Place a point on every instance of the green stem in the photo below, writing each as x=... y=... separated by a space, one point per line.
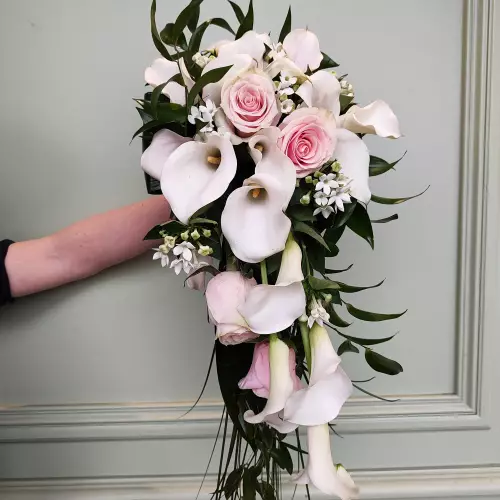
x=263 y=272
x=304 y=331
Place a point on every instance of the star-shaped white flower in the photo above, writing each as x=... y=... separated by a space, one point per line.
x=186 y=259
x=327 y=183
x=287 y=106
x=318 y=314
x=161 y=254
x=324 y=203
x=339 y=198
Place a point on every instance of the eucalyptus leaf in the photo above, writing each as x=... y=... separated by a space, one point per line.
x=354 y=289
x=386 y=219
x=287 y=26
x=304 y=228
x=238 y=12
x=197 y=36
x=395 y=201
x=210 y=77
x=382 y=364
x=247 y=23
x=370 y=316
x=379 y=166
x=156 y=36
x=347 y=346
x=319 y=284
x=360 y=224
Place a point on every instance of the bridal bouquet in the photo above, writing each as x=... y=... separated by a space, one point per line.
x=257 y=144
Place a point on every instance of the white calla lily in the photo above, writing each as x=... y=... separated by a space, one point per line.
x=270 y=160
x=162 y=71
x=285 y=65
x=280 y=387
x=164 y=143
x=251 y=43
x=354 y=158
x=196 y=174
x=376 y=118
x=253 y=221
x=320 y=471
x=321 y=90
x=302 y=46
x=329 y=386
x=291 y=264
x=238 y=62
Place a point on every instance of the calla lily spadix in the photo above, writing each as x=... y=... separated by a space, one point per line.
x=321 y=90
x=354 y=158
x=253 y=221
x=196 y=174
x=164 y=143
x=376 y=118
x=161 y=71
x=329 y=386
x=270 y=160
x=302 y=47
x=320 y=470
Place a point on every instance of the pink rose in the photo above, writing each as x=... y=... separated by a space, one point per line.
x=225 y=294
x=249 y=102
x=258 y=378
x=308 y=139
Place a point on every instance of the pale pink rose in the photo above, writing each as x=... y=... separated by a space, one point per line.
x=308 y=138
x=225 y=293
x=249 y=102
x=259 y=378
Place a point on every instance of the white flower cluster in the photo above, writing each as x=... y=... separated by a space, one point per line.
x=204 y=113
x=346 y=89
x=285 y=89
x=317 y=314
x=201 y=59
x=332 y=191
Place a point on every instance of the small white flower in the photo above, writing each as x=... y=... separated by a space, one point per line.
x=339 y=198
x=184 y=250
x=324 y=203
x=161 y=253
x=285 y=93
x=346 y=89
x=327 y=184
x=209 y=108
x=169 y=242
x=287 y=80
x=204 y=113
x=277 y=51
x=179 y=264
x=201 y=60
x=287 y=106
x=318 y=314
x=195 y=115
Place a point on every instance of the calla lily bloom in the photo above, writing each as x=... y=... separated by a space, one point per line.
x=161 y=71
x=302 y=47
x=329 y=386
x=320 y=471
x=196 y=174
x=164 y=143
x=376 y=118
x=291 y=264
x=253 y=221
x=322 y=90
x=251 y=43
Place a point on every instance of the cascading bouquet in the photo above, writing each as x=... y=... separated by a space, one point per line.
x=258 y=147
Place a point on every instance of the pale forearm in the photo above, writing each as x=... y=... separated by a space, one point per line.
x=84 y=248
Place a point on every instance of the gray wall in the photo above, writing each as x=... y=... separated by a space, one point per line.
x=94 y=376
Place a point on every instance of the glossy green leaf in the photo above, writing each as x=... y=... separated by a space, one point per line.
x=146 y=127
x=249 y=485
x=247 y=23
x=238 y=12
x=370 y=316
x=156 y=36
x=155 y=95
x=283 y=458
x=191 y=11
x=197 y=37
x=315 y=254
x=304 y=228
x=145 y=117
x=170 y=228
x=327 y=62
x=193 y=21
x=354 y=289
x=210 y=77
x=319 y=284
x=332 y=235
x=203 y=269
x=365 y=342
x=287 y=26
x=368 y=393
x=335 y=319
x=294 y=448
x=382 y=364
x=266 y=491
x=233 y=482
x=342 y=217
x=395 y=201
x=345 y=101
x=336 y=271
x=167 y=37
x=301 y=213
x=347 y=347
x=379 y=166
x=386 y=219
x=360 y=224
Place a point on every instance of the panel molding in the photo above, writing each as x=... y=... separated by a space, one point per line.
x=465 y=409
x=455 y=483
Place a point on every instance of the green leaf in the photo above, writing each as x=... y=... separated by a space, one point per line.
x=170 y=228
x=343 y=217
x=395 y=201
x=335 y=319
x=210 y=77
x=233 y=482
x=167 y=37
x=382 y=364
x=145 y=117
x=304 y=228
x=266 y=491
x=156 y=36
x=155 y=95
x=360 y=224
x=333 y=234
x=196 y=38
x=386 y=219
x=203 y=269
x=201 y=220
x=345 y=101
x=354 y=289
x=347 y=347
x=379 y=166
x=370 y=316
x=365 y=342
x=287 y=26
x=327 y=62
x=374 y=395
x=146 y=127
x=319 y=284
x=193 y=22
x=237 y=10
x=188 y=13
x=336 y=271
x=283 y=458
x=249 y=485
x=294 y=448
x=301 y=213
x=247 y=23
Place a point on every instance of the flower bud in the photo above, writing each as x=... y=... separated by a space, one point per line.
x=195 y=235
x=336 y=166
x=205 y=250
x=318 y=174
x=328 y=298
x=185 y=236
x=207 y=233
x=305 y=200
x=309 y=179
x=315 y=181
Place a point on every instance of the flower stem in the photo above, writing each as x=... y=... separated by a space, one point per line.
x=263 y=272
x=304 y=331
